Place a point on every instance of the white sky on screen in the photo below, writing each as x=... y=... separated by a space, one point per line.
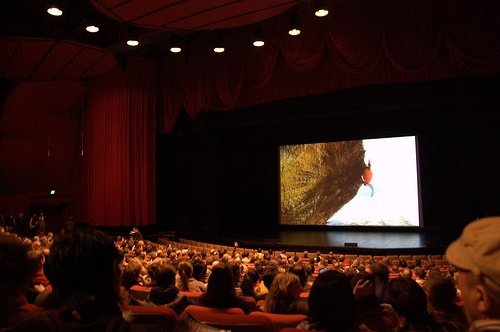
x=395 y=183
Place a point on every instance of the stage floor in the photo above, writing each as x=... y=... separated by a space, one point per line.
x=361 y=242
x=361 y=239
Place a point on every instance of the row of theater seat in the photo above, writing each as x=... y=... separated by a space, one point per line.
x=140 y=293
x=199 y=318
x=196 y=318
x=439 y=260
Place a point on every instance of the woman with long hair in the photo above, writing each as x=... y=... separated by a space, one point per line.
x=284 y=295
x=220 y=290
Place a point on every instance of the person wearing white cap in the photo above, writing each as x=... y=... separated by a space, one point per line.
x=476 y=253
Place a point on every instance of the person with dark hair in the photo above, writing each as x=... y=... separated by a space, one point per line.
x=421 y=276
x=200 y=271
x=164 y=292
x=235 y=268
x=14 y=280
x=83 y=270
x=300 y=271
x=442 y=295
x=220 y=290
x=332 y=306
x=377 y=316
x=250 y=283
x=381 y=279
x=410 y=302
x=270 y=271
x=247 y=287
x=253 y=275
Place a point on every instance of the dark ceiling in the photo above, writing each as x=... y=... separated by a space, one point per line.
x=35 y=46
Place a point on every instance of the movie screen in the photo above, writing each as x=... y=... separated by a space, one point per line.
x=369 y=182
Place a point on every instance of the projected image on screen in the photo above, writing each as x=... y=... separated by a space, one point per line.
x=371 y=182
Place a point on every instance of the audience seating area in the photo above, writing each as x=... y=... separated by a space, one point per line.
x=437 y=260
x=197 y=317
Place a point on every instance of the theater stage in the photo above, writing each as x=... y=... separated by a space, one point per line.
x=361 y=241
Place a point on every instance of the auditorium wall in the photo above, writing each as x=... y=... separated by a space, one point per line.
x=219 y=174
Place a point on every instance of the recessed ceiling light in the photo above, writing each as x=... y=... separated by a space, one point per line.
x=132 y=42
x=321 y=12
x=92 y=28
x=54 y=11
x=219 y=49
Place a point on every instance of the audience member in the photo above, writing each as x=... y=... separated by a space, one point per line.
x=284 y=296
x=442 y=296
x=476 y=253
x=84 y=272
x=268 y=275
x=254 y=281
x=381 y=279
x=378 y=317
x=332 y=306
x=235 y=269
x=39 y=281
x=421 y=275
x=186 y=281
x=248 y=287
x=200 y=271
x=220 y=290
x=407 y=273
x=14 y=280
x=410 y=302
x=132 y=274
x=299 y=271
x=164 y=292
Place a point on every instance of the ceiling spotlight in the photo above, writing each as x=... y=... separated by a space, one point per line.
x=132 y=42
x=54 y=11
x=219 y=42
x=258 y=40
x=294 y=25
x=321 y=12
x=92 y=28
x=175 y=44
x=321 y=9
x=132 y=36
x=175 y=49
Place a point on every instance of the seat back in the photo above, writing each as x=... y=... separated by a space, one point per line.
x=187 y=323
x=233 y=322
x=194 y=309
x=32 y=307
x=139 y=292
x=193 y=297
x=281 y=321
x=161 y=316
x=419 y=257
